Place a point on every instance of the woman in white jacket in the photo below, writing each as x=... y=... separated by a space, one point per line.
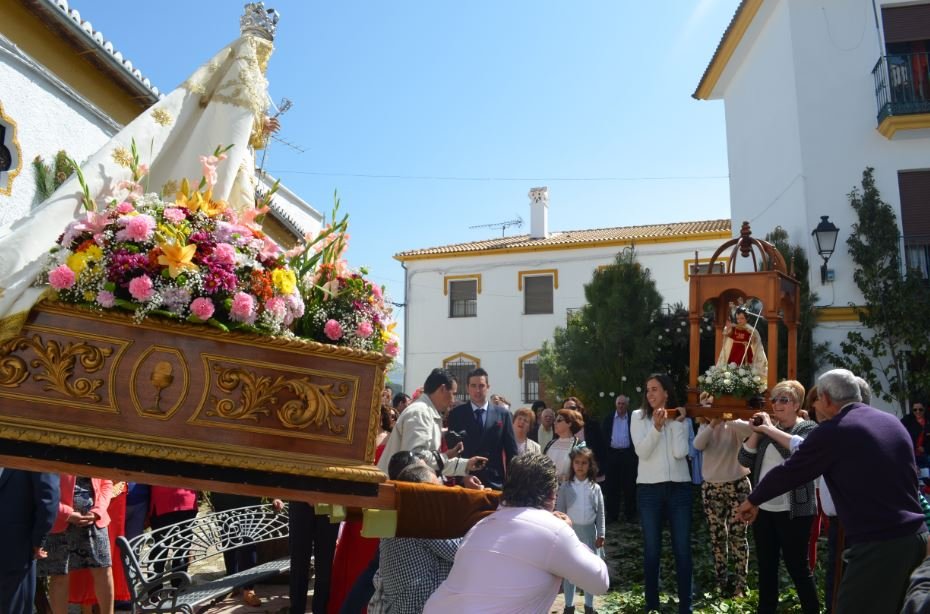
x=660 y=438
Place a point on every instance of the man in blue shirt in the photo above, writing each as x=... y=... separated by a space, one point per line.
x=619 y=463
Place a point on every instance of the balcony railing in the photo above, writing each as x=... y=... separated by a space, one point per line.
x=902 y=84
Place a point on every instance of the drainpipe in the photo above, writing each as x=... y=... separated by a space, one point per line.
x=406 y=318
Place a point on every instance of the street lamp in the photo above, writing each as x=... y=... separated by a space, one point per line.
x=825 y=236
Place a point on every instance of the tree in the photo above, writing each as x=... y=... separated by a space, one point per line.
x=809 y=353
x=893 y=354
x=608 y=345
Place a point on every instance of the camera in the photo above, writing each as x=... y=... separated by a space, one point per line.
x=454 y=437
x=757 y=420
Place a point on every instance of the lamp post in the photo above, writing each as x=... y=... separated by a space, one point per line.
x=825 y=235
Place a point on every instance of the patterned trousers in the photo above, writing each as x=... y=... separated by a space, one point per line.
x=727 y=534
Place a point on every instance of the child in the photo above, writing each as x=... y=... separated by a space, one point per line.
x=581 y=499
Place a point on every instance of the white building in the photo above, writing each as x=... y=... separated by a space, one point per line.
x=492 y=303
x=814 y=93
x=63 y=86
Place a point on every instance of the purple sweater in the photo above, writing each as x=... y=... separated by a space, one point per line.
x=867 y=460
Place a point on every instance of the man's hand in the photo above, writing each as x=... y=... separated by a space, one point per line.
x=715 y=423
x=599 y=542
x=564 y=517
x=471 y=481
x=81 y=520
x=747 y=512
x=39 y=553
x=454 y=452
x=475 y=463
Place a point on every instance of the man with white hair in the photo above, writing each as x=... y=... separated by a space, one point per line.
x=867 y=460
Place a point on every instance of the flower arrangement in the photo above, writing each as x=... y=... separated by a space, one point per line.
x=192 y=258
x=188 y=257
x=342 y=305
x=732 y=379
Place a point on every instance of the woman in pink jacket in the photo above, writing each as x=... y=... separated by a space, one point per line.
x=79 y=541
x=169 y=506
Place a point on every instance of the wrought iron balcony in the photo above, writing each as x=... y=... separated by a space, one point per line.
x=902 y=84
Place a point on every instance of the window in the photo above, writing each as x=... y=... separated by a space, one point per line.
x=914 y=190
x=463 y=298
x=459 y=366
x=537 y=288
x=529 y=375
x=10 y=154
x=702 y=266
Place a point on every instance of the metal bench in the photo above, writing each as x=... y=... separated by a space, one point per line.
x=153 y=561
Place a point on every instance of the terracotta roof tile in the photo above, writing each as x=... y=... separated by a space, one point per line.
x=577 y=238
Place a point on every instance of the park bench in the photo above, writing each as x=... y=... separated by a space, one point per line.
x=153 y=560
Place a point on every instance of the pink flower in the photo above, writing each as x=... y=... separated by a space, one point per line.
x=202 y=308
x=391 y=348
x=106 y=299
x=242 y=308
x=136 y=228
x=224 y=254
x=125 y=207
x=209 y=168
x=276 y=307
x=364 y=329
x=143 y=170
x=269 y=249
x=141 y=288
x=174 y=215
x=376 y=291
x=61 y=277
x=333 y=330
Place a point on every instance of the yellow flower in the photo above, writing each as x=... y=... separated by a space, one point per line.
x=177 y=257
x=89 y=296
x=198 y=201
x=94 y=253
x=388 y=333
x=284 y=280
x=77 y=262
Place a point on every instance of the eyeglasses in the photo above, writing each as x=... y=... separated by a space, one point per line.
x=782 y=401
x=918 y=408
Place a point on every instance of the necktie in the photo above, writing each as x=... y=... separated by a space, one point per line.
x=479 y=417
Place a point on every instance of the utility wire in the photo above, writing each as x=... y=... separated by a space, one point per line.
x=489 y=179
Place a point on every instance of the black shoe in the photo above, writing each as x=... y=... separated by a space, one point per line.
x=569 y=609
x=589 y=610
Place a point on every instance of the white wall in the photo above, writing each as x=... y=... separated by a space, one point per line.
x=501 y=333
x=47 y=120
x=801 y=128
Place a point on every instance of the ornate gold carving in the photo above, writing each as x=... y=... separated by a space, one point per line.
x=314 y=404
x=161 y=377
x=6 y=189
x=57 y=363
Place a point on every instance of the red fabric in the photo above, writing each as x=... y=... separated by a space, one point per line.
x=165 y=499
x=815 y=533
x=740 y=346
x=80 y=582
x=103 y=491
x=353 y=554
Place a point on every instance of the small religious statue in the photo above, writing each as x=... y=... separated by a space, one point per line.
x=742 y=346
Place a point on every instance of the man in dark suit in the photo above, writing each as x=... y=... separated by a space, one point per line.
x=620 y=463
x=488 y=430
x=30 y=506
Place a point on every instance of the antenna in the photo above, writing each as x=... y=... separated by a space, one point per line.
x=518 y=222
x=280 y=109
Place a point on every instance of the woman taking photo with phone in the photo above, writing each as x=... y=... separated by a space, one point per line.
x=660 y=437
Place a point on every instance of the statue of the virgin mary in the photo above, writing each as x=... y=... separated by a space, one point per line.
x=742 y=346
x=223 y=103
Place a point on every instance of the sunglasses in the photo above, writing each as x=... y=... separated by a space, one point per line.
x=918 y=409
x=782 y=401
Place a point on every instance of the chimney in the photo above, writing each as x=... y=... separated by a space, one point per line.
x=539 y=213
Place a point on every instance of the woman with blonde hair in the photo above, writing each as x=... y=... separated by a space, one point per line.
x=784 y=523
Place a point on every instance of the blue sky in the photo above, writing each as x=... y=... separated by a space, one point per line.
x=432 y=116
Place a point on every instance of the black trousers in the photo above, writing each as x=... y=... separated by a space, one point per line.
x=310 y=535
x=877 y=574
x=778 y=536
x=620 y=483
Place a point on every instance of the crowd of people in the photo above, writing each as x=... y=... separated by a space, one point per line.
x=563 y=476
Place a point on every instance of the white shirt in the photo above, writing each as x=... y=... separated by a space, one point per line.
x=770 y=460
x=558 y=452
x=420 y=426
x=662 y=454
x=513 y=562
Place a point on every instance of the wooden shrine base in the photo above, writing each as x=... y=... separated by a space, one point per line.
x=163 y=472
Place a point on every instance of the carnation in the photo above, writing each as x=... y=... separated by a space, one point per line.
x=333 y=329
x=106 y=299
x=174 y=215
x=136 y=228
x=61 y=277
x=202 y=308
x=364 y=329
x=242 y=308
x=141 y=288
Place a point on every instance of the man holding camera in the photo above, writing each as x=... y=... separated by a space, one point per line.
x=420 y=427
x=487 y=430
